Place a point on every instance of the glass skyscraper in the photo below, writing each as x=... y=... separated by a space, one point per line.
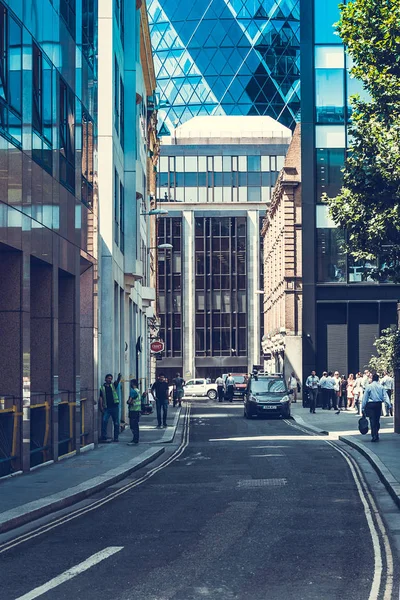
x=226 y=57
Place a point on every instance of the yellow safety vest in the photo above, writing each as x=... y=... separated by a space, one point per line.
x=114 y=391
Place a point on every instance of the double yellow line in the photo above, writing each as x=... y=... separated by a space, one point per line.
x=98 y=503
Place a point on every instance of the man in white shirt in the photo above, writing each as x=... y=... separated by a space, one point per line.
x=388 y=383
x=312 y=386
x=230 y=387
x=220 y=388
x=324 y=391
x=330 y=384
x=292 y=385
x=374 y=395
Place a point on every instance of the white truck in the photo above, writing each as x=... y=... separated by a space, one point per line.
x=200 y=387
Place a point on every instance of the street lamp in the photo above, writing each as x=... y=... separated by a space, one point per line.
x=260 y=292
x=161 y=247
x=155 y=211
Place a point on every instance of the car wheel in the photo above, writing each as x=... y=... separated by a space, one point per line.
x=212 y=394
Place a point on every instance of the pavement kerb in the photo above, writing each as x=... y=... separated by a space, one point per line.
x=169 y=433
x=387 y=478
x=313 y=429
x=26 y=513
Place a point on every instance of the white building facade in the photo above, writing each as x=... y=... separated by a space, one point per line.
x=126 y=85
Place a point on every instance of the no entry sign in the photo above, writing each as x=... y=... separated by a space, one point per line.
x=157 y=346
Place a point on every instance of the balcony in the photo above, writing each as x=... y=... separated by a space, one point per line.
x=148 y=296
x=133 y=274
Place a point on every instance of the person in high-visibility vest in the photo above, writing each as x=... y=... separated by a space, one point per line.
x=109 y=406
x=135 y=407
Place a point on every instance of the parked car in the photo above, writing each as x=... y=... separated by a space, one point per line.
x=267 y=395
x=240 y=384
x=200 y=387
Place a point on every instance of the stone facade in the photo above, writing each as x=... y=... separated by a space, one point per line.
x=283 y=268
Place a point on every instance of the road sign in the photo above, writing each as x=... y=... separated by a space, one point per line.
x=157 y=346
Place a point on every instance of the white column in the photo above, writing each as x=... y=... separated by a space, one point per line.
x=188 y=296
x=253 y=299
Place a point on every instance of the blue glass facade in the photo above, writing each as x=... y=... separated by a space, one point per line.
x=226 y=57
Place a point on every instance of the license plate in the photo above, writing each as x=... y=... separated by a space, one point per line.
x=270 y=407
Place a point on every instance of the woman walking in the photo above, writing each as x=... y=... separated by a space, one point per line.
x=357 y=392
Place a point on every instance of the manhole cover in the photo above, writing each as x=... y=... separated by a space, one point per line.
x=254 y=483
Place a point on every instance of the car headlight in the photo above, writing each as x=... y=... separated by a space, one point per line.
x=285 y=399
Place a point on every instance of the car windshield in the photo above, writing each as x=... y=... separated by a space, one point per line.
x=268 y=386
x=239 y=379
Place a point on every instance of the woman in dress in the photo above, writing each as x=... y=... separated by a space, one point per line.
x=357 y=392
x=350 y=394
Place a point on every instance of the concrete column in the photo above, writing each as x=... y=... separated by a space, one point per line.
x=189 y=295
x=88 y=379
x=253 y=299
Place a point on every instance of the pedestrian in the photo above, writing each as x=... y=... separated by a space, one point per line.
x=388 y=383
x=135 y=407
x=325 y=392
x=337 y=391
x=220 y=388
x=350 y=388
x=343 y=392
x=374 y=395
x=331 y=385
x=230 y=387
x=160 y=391
x=109 y=406
x=358 y=392
x=293 y=382
x=312 y=387
x=178 y=391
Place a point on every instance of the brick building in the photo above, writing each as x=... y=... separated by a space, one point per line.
x=281 y=233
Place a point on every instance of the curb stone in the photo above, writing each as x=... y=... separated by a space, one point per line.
x=313 y=429
x=24 y=514
x=387 y=478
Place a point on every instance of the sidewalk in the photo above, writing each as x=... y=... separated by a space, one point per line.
x=383 y=456
x=54 y=487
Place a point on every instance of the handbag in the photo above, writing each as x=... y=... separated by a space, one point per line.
x=363 y=425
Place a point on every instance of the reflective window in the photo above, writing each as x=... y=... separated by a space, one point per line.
x=361 y=271
x=265 y=166
x=88 y=30
x=329 y=171
x=41 y=108
x=68 y=12
x=67 y=135
x=326 y=13
x=190 y=164
x=330 y=136
x=254 y=163
x=226 y=163
x=218 y=163
x=242 y=163
x=331 y=258
x=88 y=160
x=329 y=57
x=10 y=77
x=254 y=194
x=329 y=84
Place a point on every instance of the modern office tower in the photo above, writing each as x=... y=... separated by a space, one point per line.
x=216 y=177
x=226 y=57
x=127 y=156
x=48 y=220
x=344 y=309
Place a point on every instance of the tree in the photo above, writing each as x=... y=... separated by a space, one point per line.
x=388 y=352
x=368 y=206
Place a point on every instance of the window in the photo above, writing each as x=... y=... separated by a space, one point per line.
x=41 y=108
x=329 y=82
x=329 y=171
x=116 y=95
x=87 y=159
x=88 y=29
x=254 y=163
x=116 y=207
x=326 y=14
x=122 y=114
x=10 y=77
x=67 y=135
x=331 y=258
x=68 y=13
x=254 y=194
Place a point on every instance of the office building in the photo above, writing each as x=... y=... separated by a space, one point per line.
x=128 y=151
x=216 y=177
x=344 y=309
x=48 y=223
x=281 y=231
x=226 y=57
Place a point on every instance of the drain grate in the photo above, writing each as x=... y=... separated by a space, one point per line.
x=256 y=483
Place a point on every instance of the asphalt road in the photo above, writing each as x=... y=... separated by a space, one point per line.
x=250 y=510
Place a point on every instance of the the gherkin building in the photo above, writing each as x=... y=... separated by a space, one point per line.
x=226 y=57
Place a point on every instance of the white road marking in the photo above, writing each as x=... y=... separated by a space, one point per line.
x=71 y=573
x=366 y=496
x=263 y=455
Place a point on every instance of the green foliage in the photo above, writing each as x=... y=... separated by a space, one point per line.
x=368 y=206
x=388 y=352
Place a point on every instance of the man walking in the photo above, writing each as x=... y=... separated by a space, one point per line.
x=109 y=406
x=324 y=391
x=374 y=395
x=135 y=407
x=388 y=383
x=177 y=390
x=160 y=391
x=312 y=386
x=220 y=388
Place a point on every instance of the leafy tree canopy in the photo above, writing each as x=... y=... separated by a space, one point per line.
x=368 y=206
